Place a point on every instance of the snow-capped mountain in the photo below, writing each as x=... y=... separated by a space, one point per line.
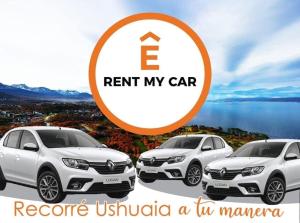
x=24 y=92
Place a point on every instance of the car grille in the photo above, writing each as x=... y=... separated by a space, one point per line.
x=231 y=191
x=157 y=176
x=155 y=163
x=103 y=188
x=102 y=168
x=229 y=174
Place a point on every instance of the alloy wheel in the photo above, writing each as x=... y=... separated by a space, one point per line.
x=194 y=175
x=49 y=187
x=275 y=191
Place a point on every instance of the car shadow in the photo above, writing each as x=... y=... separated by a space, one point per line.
x=177 y=187
x=26 y=193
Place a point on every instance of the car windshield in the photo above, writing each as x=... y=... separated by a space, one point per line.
x=181 y=143
x=260 y=149
x=67 y=138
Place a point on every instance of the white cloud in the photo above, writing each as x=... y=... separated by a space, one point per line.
x=226 y=25
x=282 y=47
x=49 y=43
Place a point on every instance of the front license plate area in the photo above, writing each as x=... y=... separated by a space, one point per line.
x=151 y=170
x=221 y=185
x=112 y=180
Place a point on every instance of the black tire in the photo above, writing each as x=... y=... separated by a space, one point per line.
x=193 y=175
x=2 y=181
x=216 y=197
x=49 y=187
x=274 y=191
x=147 y=180
x=118 y=194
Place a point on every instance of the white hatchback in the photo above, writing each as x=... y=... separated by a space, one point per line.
x=181 y=158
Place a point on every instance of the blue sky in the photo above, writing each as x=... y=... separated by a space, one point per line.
x=252 y=44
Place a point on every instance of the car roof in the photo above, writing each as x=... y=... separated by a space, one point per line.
x=34 y=128
x=277 y=140
x=196 y=135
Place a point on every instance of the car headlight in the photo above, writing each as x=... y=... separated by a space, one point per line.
x=76 y=163
x=176 y=159
x=252 y=170
x=129 y=163
x=206 y=170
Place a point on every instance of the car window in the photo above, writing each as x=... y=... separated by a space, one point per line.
x=260 y=149
x=293 y=148
x=13 y=139
x=219 y=144
x=27 y=137
x=67 y=138
x=181 y=143
x=5 y=140
x=208 y=142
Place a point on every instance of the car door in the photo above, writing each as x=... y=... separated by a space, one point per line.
x=221 y=149
x=8 y=155
x=26 y=160
x=291 y=167
x=207 y=156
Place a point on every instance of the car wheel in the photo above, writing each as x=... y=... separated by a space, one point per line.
x=274 y=191
x=49 y=188
x=147 y=180
x=118 y=194
x=216 y=197
x=193 y=175
x=2 y=180
x=2 y=184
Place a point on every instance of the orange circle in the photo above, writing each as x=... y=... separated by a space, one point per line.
x=109 y=114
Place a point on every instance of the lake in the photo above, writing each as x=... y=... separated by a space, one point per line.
x=276 y=119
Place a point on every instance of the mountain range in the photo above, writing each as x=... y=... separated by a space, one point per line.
x=23 y=92
x=231 y=93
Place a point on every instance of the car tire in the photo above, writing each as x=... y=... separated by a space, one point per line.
x=274 y=191
x=216 y=197
x=49 y=187
x=2 y=181
x=118 y=194
x=193 y=175
x=147 y=180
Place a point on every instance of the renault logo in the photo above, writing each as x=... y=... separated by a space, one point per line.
x=152 y=160
x=110 y=164
x=222 y=172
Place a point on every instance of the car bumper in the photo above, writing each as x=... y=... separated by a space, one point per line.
x=237 y=187
x=175 y=171
x=90 y=181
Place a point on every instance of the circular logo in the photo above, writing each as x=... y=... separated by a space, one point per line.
x=149 y=73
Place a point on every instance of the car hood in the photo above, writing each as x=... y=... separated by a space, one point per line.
x=165 y=153
x=239 y=162
x=91 y=154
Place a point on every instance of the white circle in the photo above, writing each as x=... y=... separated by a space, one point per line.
x=151 y=106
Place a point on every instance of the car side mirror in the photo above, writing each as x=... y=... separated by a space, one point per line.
x=156 y=147
x=291 y=156
x=206 y=148
x=105 y=146
x=30 y=147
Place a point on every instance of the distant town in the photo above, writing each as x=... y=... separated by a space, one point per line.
x=87 y=117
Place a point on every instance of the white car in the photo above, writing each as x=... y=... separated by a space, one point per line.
x=267 y=169
x=181 y=158
x=60 y=161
